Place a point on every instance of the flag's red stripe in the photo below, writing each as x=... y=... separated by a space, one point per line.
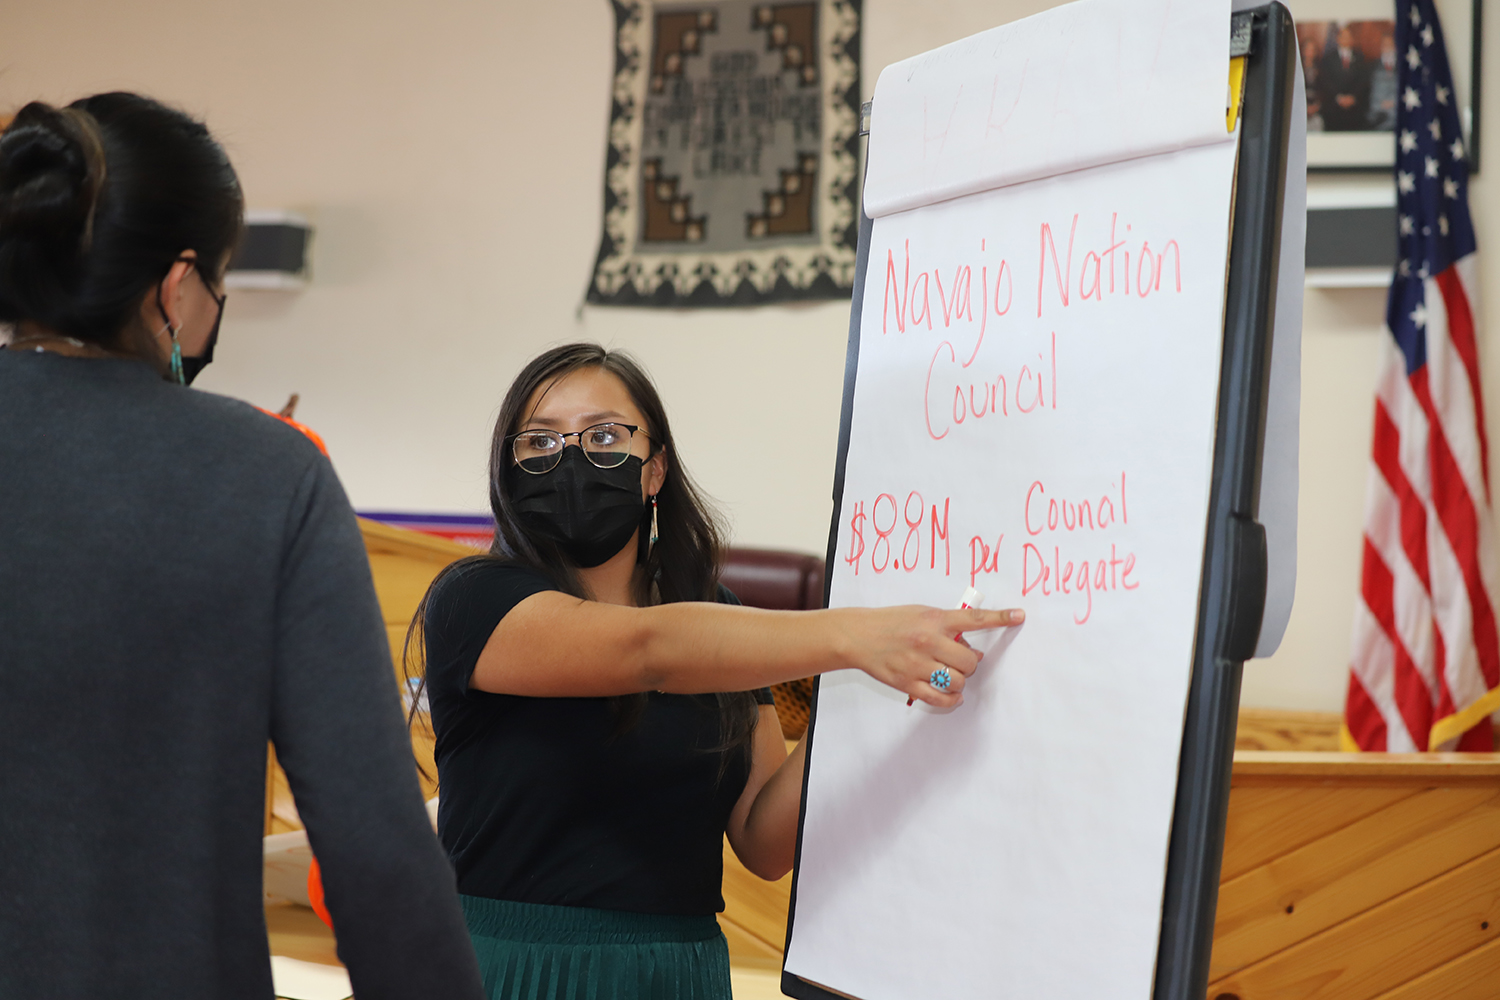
x=1364 y=720
x=1456 y=513
x=1445 y=706
x=1378 y=587
x=1387 y=455
x=1479 y=739
x=1461 y=334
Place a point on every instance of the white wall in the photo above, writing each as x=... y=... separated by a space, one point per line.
x=450 y=154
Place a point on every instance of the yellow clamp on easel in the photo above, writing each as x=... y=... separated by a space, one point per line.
x=1236 y=91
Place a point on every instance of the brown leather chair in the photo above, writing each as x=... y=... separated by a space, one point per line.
x=771 y=578
x=779 y=581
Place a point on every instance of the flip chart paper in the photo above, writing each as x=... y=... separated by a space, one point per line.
x=1034 y=414
x=1080 y=85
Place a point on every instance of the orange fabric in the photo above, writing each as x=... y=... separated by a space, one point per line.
x=315 y=893
x=312 y=435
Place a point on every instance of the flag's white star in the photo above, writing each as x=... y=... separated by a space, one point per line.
x=1427 y=35
x=1457 y=149
x=1407 y=227
x=1405 y=183
x=1413 y=58
x=1432 y=167
x=1436 y=128
x=1416 y=17
x=1450 y=188
x=1442 y=95
x=1443 y=224
x=1410 y=99
x=1419 y=315
x=1422 y=272
x=1408 y=140
x=1404 y=268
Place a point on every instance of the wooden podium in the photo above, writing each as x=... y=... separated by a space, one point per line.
x=1360 y=876
x=1345 y=876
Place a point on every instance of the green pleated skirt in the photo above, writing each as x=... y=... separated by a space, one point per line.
x=528 y=951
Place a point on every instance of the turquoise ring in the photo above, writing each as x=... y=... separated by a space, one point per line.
x=941 y=679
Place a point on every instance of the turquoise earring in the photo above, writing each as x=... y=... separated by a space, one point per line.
x=177 y=375
x=175 y=365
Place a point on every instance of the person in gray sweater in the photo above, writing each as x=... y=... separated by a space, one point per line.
x=181 y=580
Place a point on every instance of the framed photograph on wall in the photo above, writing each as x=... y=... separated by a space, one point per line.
x=1351 y=65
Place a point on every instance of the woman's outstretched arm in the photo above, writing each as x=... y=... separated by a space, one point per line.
x=552 y=645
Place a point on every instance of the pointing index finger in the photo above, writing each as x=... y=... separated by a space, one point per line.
x=978 y=620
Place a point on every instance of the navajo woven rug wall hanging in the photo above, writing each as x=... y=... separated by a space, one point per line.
x=732 y=173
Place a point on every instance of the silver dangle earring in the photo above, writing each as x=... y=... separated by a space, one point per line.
x=654 y=534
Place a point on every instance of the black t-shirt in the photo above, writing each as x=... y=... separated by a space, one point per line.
x=544 y=800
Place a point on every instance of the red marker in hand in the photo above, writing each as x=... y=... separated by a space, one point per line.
x=971 y=599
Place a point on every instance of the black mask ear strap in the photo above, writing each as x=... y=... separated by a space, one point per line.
x=161 y=306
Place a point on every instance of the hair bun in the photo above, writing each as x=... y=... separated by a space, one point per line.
x=51 y=171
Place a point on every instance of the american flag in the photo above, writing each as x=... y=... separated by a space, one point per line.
x=1425 y=672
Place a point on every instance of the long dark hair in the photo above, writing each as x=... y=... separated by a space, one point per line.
x=684 y=564
x=97 y=201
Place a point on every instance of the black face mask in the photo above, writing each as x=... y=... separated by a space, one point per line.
x=192 y=366
x=588 y=511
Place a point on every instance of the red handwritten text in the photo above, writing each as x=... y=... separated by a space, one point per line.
x=1027 y=390
x=1098 y=270
x=886 y=516
x=1044 y=513
x=1067 y=577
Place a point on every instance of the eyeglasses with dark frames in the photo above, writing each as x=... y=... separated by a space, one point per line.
x=605 y=445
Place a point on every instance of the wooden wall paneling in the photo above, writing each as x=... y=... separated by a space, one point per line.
x=284 y=816
x=1277 y=729
x=1383 y=947
x=1411 y=771
x=747 y=949
x=422 y=743
x=1267 y=822
x=1350 y=870
x=395 y=633
x=400 y=582
x=385 y=539
x=404 y=564
x=296 y=932
x=1474 y=975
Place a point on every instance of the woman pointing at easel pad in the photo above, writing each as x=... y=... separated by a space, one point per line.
x=600 y=702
